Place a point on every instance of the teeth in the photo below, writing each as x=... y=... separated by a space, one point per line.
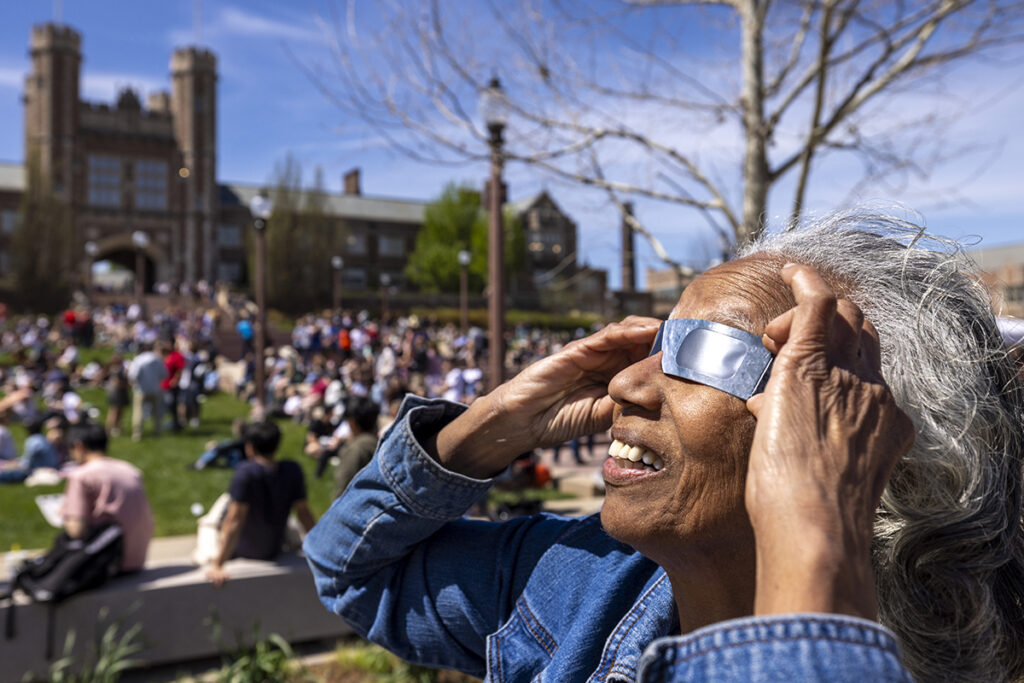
x=635 y=457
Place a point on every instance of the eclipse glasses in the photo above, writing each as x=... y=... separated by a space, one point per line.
x=719 y=356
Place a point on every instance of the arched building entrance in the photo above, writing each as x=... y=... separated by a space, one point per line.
x=123 y=255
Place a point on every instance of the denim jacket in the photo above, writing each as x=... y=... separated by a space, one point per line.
x=541 y=598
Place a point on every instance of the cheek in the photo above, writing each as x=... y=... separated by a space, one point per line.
x=713 y=428
x=715 y=434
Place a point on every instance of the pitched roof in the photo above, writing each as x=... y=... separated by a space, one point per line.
x=341 y=205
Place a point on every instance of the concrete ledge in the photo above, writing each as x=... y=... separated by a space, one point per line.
x=177 y=608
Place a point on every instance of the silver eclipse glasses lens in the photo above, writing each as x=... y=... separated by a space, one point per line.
x=723 y=357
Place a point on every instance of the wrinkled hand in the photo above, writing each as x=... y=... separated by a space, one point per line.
x=828 y=435
x=552 y=401
x=218 y=576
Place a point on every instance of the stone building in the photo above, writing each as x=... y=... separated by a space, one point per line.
x=1002 y=271
x=150 y=164
x=128 y=166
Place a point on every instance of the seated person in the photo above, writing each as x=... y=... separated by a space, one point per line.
x=8 y=449
x=745 y=534
x=38 y=452
x=361 y=413
x=263 y=493
x=103 y=489
x=318 y=439
x=226 y=453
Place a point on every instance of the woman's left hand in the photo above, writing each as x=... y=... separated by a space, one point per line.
x=828 y=434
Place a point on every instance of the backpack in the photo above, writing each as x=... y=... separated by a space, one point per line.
x=71 y=566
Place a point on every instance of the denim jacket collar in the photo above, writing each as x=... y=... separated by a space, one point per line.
x=652 y=617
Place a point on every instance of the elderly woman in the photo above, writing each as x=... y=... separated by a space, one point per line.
x=746 y=534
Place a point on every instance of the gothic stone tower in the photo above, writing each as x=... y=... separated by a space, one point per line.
x=194 y=108
x=51 y=104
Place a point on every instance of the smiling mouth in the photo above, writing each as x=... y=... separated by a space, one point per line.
x=634 y=457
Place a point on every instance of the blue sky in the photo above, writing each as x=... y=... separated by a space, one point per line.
x=269 y=108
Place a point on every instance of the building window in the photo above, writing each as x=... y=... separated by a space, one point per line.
x=355 y=244
x=229 y=236
x=391 y=246
x=229 y=272
x=104 y=180
x=9 y=220
x=353 y=278
x=151 y=185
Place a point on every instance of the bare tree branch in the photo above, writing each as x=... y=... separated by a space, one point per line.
x=597 y=103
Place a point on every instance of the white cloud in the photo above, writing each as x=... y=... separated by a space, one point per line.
x=236 y=22
x=239 y=22
x=11 y=77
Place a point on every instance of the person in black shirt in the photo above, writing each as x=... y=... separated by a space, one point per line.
x=263 y=493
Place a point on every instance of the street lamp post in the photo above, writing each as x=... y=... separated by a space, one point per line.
x=494 y=111
x=464 y=290
x=385 y=282
x=337 y=263
x=141 y=241
x=91 y=249
x=260 y=207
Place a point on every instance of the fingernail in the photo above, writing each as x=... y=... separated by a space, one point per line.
x=789 y=265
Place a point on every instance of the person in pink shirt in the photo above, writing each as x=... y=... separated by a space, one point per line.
x=103 y=489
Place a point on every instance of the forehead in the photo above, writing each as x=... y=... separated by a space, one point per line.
x=744 y=293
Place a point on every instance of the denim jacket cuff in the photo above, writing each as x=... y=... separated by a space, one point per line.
x=785 y=647
x=419 y=481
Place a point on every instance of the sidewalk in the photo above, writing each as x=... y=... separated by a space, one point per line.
x=584 y=481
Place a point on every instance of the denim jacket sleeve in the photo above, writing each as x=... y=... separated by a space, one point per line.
x=783 y=648
x=433 y=602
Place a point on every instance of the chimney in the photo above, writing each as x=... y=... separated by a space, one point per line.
x=351 y=182
x=628 y=271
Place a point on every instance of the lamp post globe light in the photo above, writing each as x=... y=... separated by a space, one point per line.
x=337 y=263
x=91 y=250
x=261 y=208
x=385 y=284
x=464 y=258
x=494 y=109
x=140 y=240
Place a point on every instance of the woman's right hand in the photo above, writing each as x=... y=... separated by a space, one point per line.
x=556 y=399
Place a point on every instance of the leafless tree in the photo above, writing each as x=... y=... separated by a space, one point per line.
x=708 y=104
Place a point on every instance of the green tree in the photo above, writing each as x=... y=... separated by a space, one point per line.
x=42 y=275
x=301 y=238
x=454 y=222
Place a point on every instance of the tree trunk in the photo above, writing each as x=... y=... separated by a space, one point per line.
x=755 y=162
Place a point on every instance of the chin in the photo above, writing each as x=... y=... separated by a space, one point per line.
x=625 y=518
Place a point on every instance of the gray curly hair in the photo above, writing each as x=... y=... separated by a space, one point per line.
x=948 y=547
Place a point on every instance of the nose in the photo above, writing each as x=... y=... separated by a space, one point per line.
x=639 y=385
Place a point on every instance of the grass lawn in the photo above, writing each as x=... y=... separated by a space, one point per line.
x=171 y=487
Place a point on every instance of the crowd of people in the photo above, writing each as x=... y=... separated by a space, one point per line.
x=342 y=375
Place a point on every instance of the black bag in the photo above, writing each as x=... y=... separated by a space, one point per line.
x=73 y=565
